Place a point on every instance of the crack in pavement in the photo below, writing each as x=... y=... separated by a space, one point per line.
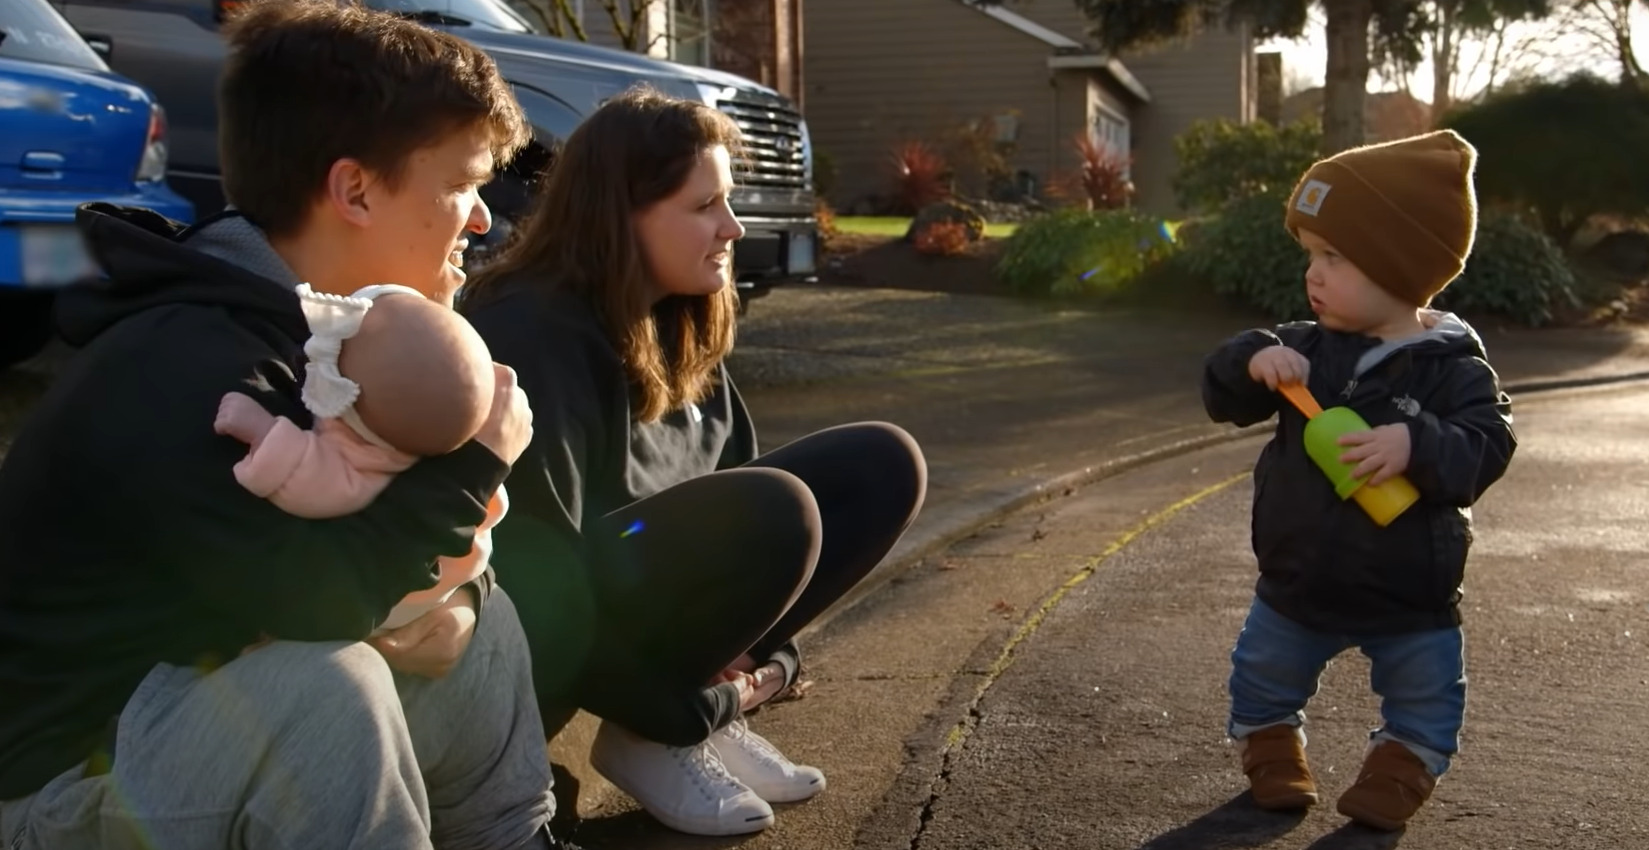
x=964 y=728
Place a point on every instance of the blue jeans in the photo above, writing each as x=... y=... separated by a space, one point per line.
x=1420 y=677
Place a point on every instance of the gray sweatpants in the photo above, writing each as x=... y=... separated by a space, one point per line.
x=313 y=745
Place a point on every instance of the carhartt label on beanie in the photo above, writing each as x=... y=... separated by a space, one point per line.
x=1405 y=212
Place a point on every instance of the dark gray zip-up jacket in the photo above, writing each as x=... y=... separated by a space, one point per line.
x=1323 y=562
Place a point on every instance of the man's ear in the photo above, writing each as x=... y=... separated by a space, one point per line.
x=346 y=191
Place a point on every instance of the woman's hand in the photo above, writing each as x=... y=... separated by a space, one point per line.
x=764 y=684
x=756 y=684
x=431 y=645
x=746 y=684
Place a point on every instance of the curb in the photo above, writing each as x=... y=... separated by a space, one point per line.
x=1539 y=386
x=917 y=547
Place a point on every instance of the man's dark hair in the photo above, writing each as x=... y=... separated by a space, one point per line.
x=310 y=82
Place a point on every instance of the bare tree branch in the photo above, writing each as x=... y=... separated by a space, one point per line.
x=557 y=18
x=1613 y=19
x=629 y=18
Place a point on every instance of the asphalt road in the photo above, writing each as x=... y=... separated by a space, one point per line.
x=1058 y=680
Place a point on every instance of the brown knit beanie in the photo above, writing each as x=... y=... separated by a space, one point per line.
x=1405 y=212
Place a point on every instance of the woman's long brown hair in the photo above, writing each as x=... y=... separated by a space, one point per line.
x=633 y=152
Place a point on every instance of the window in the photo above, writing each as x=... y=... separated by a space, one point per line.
x=32 y=30
x=689 y=30
x=1111 y=130
x=489 y=14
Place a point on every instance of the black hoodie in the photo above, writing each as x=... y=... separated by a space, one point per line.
x=127 y=540
x=1323 y=562
x=589 y=458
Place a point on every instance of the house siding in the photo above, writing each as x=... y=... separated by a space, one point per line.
x=880 y=73
x=1205 y=77
x=1061 y=16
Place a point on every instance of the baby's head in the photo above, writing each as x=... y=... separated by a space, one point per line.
x=426 y=377
x=1388 y=226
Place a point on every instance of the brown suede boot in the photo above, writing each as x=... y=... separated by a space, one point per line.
x=1393 y=785
x=1277 y=773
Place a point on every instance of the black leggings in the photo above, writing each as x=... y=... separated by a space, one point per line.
x=741 y=560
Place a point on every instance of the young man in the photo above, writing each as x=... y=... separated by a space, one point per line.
x=181 y=662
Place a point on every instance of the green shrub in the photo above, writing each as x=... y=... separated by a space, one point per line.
x=1565 y=151
x=1514 y=271
x=1245 y=253
x=1073 y=252
x=1222 y=161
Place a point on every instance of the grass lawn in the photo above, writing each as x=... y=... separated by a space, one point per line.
x=894 y=227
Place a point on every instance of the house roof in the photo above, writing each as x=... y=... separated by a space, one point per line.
x=1069 y=54
x=1027 y=26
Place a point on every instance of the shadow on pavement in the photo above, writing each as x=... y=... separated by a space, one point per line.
x=1354 y=837
x=1236 y=823
x=635 y=830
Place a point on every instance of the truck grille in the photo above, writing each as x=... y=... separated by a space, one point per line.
x=772 y=138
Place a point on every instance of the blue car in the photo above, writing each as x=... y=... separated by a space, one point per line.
x=71 y=132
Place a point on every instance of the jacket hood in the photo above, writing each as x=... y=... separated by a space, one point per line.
x=1446 y=334
x=151 y=261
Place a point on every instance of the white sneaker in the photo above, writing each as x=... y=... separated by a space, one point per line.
x=754 y=761
x=686 y=788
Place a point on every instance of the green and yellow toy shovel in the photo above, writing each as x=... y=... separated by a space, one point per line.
x=1323 y=431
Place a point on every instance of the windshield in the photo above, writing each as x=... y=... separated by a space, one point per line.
x=32 y=30
x=492 y=14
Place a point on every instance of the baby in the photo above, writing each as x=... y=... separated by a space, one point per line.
x=392 y=377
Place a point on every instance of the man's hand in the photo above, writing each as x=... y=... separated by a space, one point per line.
x=1277 y=365
x=431 y=645
x=1383 y=451
x=508 y=428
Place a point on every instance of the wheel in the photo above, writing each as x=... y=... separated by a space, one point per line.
x=25 y=324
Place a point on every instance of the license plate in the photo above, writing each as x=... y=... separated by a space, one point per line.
x=801 y=254
x=54 y=255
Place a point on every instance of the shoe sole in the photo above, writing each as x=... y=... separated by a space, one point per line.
x=1370 y=819
x=681 y=824
x=808 y=794
x=718 y=828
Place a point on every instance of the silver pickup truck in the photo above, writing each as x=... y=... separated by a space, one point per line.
x=173 y=48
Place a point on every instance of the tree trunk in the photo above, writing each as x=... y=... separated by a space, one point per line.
x=1345 y=85
x=1494 y=63
x=1445 y=53
x=1630 y=71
